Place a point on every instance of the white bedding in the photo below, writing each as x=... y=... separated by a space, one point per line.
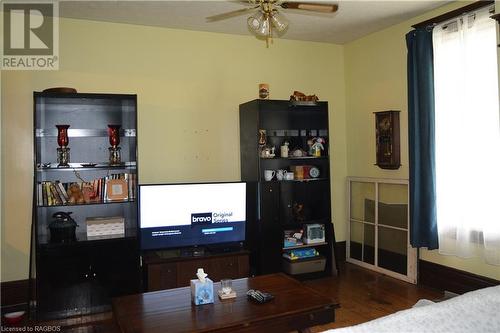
x=476 y=311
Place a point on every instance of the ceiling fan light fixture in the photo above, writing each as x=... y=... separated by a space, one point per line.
x=253 y=23
x=279 y=21
x=265 y=26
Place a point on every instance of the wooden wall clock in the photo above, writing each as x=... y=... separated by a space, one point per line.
x=387 y=140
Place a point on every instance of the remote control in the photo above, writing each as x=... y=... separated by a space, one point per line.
x=259 y=296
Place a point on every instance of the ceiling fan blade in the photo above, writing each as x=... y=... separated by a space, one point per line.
x=227 y=15
x=245 y=2
x=314 y=7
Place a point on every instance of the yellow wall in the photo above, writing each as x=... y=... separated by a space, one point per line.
x=376 y=81
x=189 y=86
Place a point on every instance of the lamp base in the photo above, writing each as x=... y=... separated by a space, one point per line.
x=115 y=156
x=63 y=157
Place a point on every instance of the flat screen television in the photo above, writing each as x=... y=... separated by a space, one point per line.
x=187 y=215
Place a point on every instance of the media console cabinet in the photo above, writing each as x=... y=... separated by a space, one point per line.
x=168 y=269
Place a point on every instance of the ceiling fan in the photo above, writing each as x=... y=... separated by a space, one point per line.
x=267 y=17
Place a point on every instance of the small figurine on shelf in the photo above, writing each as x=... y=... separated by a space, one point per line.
x=262 y=138
x=284 y=149
x=318 y=146
x=267 y=152
x=75 y=194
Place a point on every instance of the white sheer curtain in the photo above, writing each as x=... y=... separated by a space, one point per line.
x=467 y=137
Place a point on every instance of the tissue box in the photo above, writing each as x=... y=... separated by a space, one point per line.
x=202 y=293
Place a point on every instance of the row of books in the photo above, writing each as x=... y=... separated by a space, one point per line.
x=115 y=187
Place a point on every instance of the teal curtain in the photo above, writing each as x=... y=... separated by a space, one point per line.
x=423 y=225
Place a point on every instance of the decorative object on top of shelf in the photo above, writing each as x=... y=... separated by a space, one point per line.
x=62 y=228
x=264 y=91
x=317 y=146
x=284 y=149
x=387 y=140
x=63 y=150
x=114 y=141
x=299 y=98
x=60 y=90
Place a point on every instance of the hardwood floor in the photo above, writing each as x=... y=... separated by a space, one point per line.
x=366 y=295
x=363 y=295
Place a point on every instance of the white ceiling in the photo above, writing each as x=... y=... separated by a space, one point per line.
x=354 y=19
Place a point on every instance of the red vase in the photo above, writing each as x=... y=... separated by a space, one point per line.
x=114 y=135
x=62 y=135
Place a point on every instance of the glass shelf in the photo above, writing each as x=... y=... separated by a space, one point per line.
x=89 y=203
x=84 y=132
x=79 y=166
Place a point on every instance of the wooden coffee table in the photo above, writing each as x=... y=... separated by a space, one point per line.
x=295 y=307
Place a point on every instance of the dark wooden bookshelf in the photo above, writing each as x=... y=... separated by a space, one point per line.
x=270 y=203
x=81 y=276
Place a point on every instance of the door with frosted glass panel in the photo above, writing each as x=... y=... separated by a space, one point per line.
x=378 y=236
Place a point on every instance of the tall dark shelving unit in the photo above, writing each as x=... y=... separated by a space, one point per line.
x=270 y=203
x=80 y=277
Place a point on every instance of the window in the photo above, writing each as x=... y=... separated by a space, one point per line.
x=467 y=128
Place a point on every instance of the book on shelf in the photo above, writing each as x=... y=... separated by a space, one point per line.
x=55 y=193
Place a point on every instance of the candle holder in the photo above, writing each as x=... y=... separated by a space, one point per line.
x=63 y=156
x=114 y=141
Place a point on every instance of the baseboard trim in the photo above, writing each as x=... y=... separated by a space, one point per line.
x=14 y=294
x=447 y=278
x=340 y=251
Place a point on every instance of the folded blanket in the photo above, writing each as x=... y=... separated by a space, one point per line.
x=475 y=311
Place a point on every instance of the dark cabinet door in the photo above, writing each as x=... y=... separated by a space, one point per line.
x=186 y=270
x=271 y=235
x=162 y=276
x=63 y=286
x=303 y=202
x=114 y=271
x=225 y=268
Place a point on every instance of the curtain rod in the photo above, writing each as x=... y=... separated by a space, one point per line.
x=454 y=13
